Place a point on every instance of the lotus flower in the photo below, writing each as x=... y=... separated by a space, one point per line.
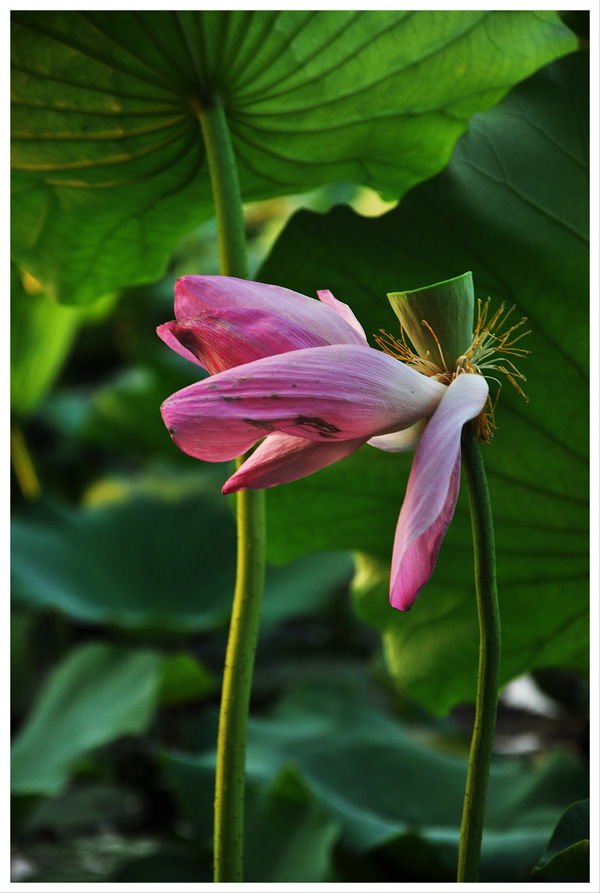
x=299 y=375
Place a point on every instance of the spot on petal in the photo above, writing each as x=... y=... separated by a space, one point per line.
x=257 y=423
x=325 y=429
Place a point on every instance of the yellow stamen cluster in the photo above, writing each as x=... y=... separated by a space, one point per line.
x=482 y=355
x=487 y=343
x=402 y=351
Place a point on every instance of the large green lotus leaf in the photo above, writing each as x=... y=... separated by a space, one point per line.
x=511 y=207
x=97 y=694
x=109 y=164
x=163 y=564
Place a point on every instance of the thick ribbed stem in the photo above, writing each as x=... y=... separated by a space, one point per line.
x=471 y=831
x=247 y=603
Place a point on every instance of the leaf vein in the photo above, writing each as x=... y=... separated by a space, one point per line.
x=378 y=81
x=528 y=201
x=86 y=164
x=72 y=44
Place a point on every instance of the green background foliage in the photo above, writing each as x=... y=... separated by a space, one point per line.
x=411 y=797
x=123 y=567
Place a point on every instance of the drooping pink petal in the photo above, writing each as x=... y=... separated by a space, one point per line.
x=400 y=441
x=225 y=338
x=195 y=294
x=432 y=489
x=344 y=310
x=281 y=458
x=333 y=393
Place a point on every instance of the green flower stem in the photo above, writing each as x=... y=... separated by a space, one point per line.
x=247 y=602
x=471 y=830
x=237 y=683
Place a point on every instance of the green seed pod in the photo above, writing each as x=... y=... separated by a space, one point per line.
x=438 y=319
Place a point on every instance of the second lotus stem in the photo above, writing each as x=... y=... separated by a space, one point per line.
x=471 y=832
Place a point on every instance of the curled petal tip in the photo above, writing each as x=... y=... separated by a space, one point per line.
x=326 y=297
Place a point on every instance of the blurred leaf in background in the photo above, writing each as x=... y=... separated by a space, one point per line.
x=164 y=566
x=42 y=334
x=141 y=564
x=308 y=749
x=567 y=856
x=98 y=693
x=109 y=166
x=511 y=207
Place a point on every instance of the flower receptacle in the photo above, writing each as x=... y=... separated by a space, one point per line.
x=438 y=318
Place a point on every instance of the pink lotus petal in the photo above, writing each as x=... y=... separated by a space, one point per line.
x=165 y=334
x=204 y=438
x=400 y=441
x=223 y=339
x=343 y=309
x=195 y=294
x=338 y=392
x=281 y=458
x=432 y=489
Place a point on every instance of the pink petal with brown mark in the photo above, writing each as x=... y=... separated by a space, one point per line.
x=333 y=393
